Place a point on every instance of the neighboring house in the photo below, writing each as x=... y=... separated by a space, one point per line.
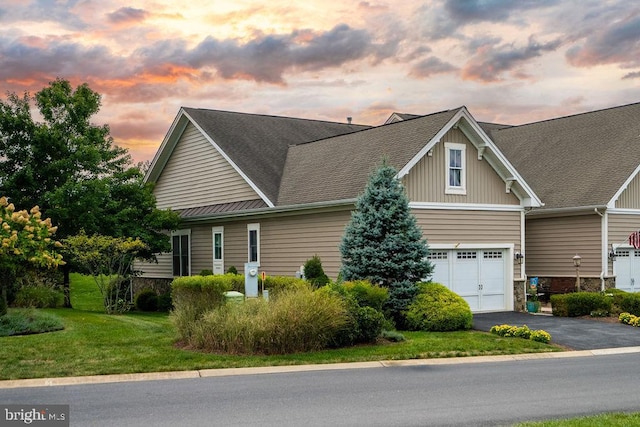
x=277 y=190
x=585 y=169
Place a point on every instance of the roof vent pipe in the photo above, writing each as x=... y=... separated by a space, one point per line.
x=349 y=120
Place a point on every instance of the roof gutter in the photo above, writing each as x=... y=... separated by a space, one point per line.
x=569 y=210
x=275 y=210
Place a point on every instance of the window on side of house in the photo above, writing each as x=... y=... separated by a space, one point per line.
x=180 y=247
x=456 y=168
x=253 y=237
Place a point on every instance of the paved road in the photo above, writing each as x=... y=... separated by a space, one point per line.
x=483 y=394
x=577 y=334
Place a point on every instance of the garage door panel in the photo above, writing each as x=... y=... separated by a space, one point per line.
x=478 y=276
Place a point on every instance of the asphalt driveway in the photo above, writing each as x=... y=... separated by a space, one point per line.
x=574 y=333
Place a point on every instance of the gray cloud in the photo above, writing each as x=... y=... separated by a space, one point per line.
x=267 y=58
x=617 y=42
x=632 y=75
x=431 y=66
x=490 y=10
x=127 y=15
x=490 y=62
x=45 y=11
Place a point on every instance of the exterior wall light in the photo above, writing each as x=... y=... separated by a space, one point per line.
x=518 y=256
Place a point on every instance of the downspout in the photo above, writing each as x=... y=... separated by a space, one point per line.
x=603 y=249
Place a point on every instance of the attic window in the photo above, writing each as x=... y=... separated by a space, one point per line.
x=455 y=167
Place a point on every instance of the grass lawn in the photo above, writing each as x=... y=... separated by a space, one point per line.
x=95 y=343
x=608 y=420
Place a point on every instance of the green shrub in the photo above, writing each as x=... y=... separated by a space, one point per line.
x=192 y=296
x=299 y=320
x=206 y=272
x=38 y=297
x=521 y=332
x=437 y=308
x=393 y=336
x=314 y=273
x=366 y=294
x=29 y=321
x=277 y=284
x=629 y=319
x=232 y=270
x=164 y=302
x=146 y=300
x=365 y=322
x=579 y=304
x=628 y=302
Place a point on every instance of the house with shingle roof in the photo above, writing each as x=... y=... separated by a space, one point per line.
x=585 y=169
x=277 y=190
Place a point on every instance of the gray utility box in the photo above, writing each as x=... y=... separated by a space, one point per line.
x=251 y=280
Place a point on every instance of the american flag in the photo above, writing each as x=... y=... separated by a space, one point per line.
x=634 y=239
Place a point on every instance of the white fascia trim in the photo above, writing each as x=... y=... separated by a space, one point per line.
x=466 y=207
x=612 y=202
x=604 y=251
x=438 y=136
x=168 y=143
x=233 y=165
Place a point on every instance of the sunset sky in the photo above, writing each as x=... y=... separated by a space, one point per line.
x=507 y=61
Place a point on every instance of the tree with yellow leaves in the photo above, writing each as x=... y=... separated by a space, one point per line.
x=25 y=238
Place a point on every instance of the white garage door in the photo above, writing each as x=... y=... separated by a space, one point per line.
x=626 y=268
x=478 y=276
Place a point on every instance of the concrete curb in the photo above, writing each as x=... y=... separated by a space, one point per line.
x=205 y=373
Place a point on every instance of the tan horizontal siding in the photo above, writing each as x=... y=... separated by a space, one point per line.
x=630 y=197
x=551 y=244
x=161 y=270
x=426 y=182
x=470 y=227
x=198 y=175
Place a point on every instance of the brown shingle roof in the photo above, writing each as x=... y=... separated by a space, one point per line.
x=580 y=160
x=258 y=144
x=338 y=168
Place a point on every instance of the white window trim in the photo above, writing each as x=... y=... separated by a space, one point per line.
x=214 y=231
x=462 y=189
x=253 y=227
x=185 y=232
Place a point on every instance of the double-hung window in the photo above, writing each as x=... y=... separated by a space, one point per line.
x=456 y=168
x=253 y=240
x=180 y=247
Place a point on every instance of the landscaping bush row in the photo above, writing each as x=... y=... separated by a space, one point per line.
x=629 y=319
x=580 y=304
x=521 y=332
x=612 y=301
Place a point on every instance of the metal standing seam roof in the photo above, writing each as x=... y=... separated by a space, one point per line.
x=338 y=168
x=258 y=144
x=578 y=160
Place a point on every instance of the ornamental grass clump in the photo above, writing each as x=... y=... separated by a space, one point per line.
x=297 y=320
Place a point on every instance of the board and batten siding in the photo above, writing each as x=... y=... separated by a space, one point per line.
x=197 y=175
x=630 y=197
x=551 y=244
x=426 y=182
x=473 y=227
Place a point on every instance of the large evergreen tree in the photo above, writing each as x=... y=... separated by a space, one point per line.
x=71 y=169
x=383 y=242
